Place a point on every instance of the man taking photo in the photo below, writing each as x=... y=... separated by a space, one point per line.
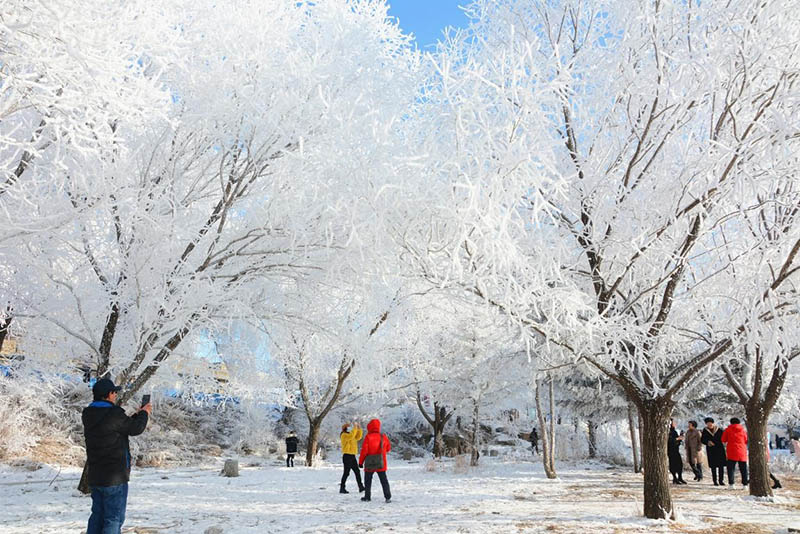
x=106 y=428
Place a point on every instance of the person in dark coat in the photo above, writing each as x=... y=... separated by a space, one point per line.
x=106 y=429
x=534 y=438
x=291 y=448
x=674 y=454
x=715 y=451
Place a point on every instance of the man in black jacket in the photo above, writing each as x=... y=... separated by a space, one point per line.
x=106 y=428
x=291 y=448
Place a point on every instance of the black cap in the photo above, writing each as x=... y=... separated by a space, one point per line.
x=104 y=386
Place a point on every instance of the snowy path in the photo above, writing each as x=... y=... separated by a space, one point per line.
x=496 y=498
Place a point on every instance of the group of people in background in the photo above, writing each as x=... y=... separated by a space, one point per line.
x=372 y=458
x=724 y=449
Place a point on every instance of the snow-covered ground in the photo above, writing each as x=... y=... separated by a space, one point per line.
x=498 y=497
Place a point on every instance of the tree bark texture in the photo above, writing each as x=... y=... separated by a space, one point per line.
x=313 y=441
x=440 y=418
x=634 y=440
x=473 y=461
x=592 y=438
x=756 y=419
x=546 y=463
x=655 y=430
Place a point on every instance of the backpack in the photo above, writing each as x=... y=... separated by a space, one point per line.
x=374 y=462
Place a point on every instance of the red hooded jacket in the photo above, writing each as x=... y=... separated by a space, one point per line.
x=372 y=444
x=735 y=439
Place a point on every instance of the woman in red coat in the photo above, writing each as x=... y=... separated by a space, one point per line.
x=735 y=439
x=375 y=445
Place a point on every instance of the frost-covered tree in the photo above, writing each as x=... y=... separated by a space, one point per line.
x=757 y=376
x=758 y=369
x=71 y=73
x=246 y=184
x=598 y=157
x=321 y=337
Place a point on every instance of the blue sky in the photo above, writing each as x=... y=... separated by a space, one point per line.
x=427 y=18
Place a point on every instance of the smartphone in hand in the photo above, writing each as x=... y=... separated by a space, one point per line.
x=145 y=400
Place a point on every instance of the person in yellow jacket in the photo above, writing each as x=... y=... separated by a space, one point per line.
x=349 y=450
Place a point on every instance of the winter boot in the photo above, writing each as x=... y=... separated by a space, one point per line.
x=365 y=499
x=389 y=499
x=342 y=490
x=776 y=484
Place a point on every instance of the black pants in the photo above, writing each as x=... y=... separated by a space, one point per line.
x=289 y=459
x=697 y=469
x=387 y=493
x=718 y=473
x=742 y=471
x=351 y=464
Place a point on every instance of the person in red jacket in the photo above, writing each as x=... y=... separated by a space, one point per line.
x=735 y=439
x=373 y=459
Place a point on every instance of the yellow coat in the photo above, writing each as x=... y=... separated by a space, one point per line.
x=350 y=441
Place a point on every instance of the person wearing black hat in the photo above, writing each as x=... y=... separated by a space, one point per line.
x=106 y=429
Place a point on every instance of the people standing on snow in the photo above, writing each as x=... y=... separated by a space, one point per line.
x=674 y=454
x=106 y=428
x=291 y=448
x=693 y=444
x=349 y=450
x=534 y=439
x=735 y=439
x=715 y=451
x=373 y=459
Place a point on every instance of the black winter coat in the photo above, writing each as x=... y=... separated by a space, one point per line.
x=716 y=454
x=674 y=452
x=291 y=445
x=106 y=428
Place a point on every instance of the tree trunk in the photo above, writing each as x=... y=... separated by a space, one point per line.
x=473 y=461
x=438 y=430
x=107 y=340
x=758 y=404
x=655 y=431
x=592 y=437
x=552 y=458
x=641 y=438
x=548 y=465
x=634 y=440
x=757 y=451
x=437 y=422
x=438 y=441
x=313 y=441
